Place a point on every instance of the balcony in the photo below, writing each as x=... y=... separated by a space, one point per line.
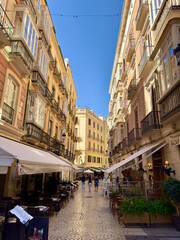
x=124 y=72
x=54 y=106
x=130 y=48
x=151 y=122
x=6 y=28
x=47 y=94
x=21 y=57
x=30 y=4
x=134 y=135
x=38 y=135
x=37 y=81
x=170 y=105
x=132 y=88
x=124 y=143
x=145 y=62
x=7 y=113
x=168 y=12
x=142 y=13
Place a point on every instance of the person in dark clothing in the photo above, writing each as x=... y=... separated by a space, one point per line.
x=89 y=182
x=83 y=179
x=96 y=183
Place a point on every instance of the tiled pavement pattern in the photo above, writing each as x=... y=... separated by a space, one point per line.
x=87 y=217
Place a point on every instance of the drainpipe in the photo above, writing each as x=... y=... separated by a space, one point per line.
x=24 y=120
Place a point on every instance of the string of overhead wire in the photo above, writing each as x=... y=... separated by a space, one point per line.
x=79 y=15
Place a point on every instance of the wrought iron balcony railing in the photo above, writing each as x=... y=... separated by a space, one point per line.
x=30 y=4
x=18 y=49
x=37 y=79
x=134 y=135
x=170 y=104
x=40 y=136
x=5 y=24
x=48 y=94
x=7 y=113
x=145 y=57
x=150 y=122
x=132 y=87
x=125 y=143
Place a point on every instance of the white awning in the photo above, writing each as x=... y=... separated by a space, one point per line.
x=155 y=148
x=30 y=160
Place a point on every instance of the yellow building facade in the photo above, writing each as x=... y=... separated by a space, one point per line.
x=144 y=89
x=36 y=87
x=92 y=148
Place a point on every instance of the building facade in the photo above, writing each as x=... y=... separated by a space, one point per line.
x=35 y=85
x=91 y=150
x=144 y=106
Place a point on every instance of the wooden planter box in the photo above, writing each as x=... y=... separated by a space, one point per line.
x=160 y=219
x=146 y=219
x=135 y=219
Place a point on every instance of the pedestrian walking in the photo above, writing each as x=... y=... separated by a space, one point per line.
x=83 y=179
x=96 y=183
x=89 y=182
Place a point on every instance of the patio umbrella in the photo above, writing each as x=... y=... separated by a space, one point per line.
x=88 y=171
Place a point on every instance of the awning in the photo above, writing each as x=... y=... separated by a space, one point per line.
x=3 y=170
x=30 y=160
x=70 y=163
x=154 y=149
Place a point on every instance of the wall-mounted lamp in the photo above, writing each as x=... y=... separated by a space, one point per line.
x=176 y=52
x=168 y=170
x=150 y=167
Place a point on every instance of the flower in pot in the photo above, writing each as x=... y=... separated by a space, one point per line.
x=171 y=188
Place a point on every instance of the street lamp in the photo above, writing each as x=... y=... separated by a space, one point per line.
x=176 y=52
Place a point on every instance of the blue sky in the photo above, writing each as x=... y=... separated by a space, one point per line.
x=89 y=42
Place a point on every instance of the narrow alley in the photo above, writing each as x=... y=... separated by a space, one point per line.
x=88 y=217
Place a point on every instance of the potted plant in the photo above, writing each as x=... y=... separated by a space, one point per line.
x=140 y=211
x=134 y=211
x=171 y=188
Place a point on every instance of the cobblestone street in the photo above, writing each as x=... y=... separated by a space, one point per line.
x=85 y=217
x=88 y=217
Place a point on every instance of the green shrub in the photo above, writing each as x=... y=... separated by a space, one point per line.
x=171 y=187
x=138 y=206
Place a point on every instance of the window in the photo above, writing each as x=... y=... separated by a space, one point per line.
x=98 y=137
x=101 y=149
x=97 y=126
x=89 y=121
x=32 y=44
x=89 y=158
x=26 y=27
x=89 y=133
x=98 y=159
x=50 y=128
x=76 y=121
x=43 y=64
x=53 y=92
x=89 y=146
x=94 y=124
x=9 y=100
x=38 y=4
x=101 y=129
x=167 y=69
x=94 y=160
x=93 y=135
x=35 y=47
x=29 y=37
x=93 y=146
x=151 y=7
x=58 y=101
x=36 y=110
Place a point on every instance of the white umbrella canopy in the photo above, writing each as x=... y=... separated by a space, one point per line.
x=88 y=171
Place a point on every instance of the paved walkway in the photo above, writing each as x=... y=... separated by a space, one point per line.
x=87 y=217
